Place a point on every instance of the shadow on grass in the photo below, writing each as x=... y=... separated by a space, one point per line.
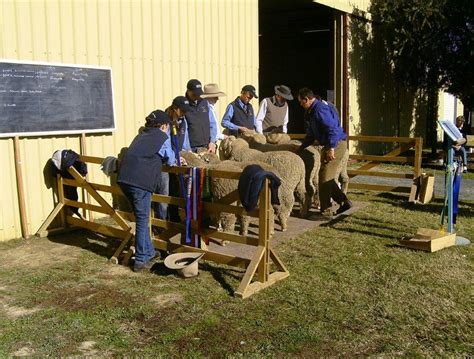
x=465 y=208
x=93 y=242
x=222 y=275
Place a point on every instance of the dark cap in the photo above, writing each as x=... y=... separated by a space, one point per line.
x=195 y=86
x=182 y=103
x=157 y=118
x=251 y=89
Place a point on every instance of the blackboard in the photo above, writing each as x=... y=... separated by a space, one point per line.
x=49 y=99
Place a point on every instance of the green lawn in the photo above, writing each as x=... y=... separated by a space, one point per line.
x=352 y=292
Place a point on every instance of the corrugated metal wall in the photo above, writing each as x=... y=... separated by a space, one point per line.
x=153 y=47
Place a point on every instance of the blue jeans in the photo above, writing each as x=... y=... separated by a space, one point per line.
x=141 y=204
x=163 y=187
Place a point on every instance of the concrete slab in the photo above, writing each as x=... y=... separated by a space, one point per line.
x=296 y=226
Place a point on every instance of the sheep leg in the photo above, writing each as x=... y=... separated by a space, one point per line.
x=287 y=200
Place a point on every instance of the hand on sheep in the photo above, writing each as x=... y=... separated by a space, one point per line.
x=211 y=147
x=183 y=161
x=330 y=155
x=243 y=129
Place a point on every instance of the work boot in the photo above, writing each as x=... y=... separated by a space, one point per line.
x=346 y=205
x=327 y=214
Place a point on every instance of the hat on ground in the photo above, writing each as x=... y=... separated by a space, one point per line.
x=157 y=118
x=182 y=103
x=186 y=264
x=251 y=89
x=212 y=90
x=195 y=86
x=284 y=91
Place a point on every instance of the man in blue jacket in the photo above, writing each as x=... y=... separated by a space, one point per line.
x=324 y=130
x=138 y=177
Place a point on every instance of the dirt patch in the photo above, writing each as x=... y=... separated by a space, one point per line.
x=38 y=254
x=23 y=352
x=91 y=298
x=167 y=300
x=117 y=270
x=14 y=312
x=87 y=348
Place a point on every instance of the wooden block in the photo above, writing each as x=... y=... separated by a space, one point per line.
x=427 y=188
x=430 y=240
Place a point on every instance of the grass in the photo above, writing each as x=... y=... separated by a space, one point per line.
x=352 y=292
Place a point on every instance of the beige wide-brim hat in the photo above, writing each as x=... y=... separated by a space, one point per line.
x=186 y=264
x=212 y=90
x=284 y=91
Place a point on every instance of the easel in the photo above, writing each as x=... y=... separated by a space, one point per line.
x=432 y=240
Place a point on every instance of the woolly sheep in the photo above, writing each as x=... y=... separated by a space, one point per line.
x=289 y=166
x=221 y=187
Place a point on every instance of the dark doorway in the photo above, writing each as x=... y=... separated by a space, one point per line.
x=296 y=49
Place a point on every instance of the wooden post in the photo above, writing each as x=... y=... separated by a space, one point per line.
x=21 y=193
x=264 y=232
x=85 y=194
x=418 y=156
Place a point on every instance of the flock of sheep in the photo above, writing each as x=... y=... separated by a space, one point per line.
x=299 y=174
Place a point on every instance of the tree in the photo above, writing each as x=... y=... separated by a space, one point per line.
x=430 y=46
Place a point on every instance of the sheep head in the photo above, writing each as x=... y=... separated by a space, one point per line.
x=278 y=138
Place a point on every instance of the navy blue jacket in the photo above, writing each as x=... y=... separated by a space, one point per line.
x=251 y=183
x=141 y=165
x=323 y=125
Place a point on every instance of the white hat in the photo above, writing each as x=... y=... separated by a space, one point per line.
x=212 y=90
x=56 y=158
x=186 y=264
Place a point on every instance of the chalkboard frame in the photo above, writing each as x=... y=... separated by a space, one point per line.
x=64 y=132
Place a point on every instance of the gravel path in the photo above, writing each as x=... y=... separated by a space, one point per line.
x=467 y=185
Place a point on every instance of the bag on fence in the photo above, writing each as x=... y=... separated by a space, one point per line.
x=62 y=160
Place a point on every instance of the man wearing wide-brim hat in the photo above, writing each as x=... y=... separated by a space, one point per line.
x=272 y=116
x=211 y=94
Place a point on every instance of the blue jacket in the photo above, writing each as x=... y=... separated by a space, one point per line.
x=251 y=183
x=141 y=165
x=323 y=125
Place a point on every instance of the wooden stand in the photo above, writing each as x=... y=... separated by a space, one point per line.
x=430 y=240
x=259 y=272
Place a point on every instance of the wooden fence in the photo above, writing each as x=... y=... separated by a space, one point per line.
x=393 y=156
x=259 y=266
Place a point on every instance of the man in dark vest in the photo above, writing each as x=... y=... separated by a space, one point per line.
x=139 y=174
x=198 y=120
x=239 y=115
x=272 y=116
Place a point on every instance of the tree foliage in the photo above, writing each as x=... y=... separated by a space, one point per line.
x=430 y=43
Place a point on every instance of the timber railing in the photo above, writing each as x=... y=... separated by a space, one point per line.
x=393 y=156
x=259 y=272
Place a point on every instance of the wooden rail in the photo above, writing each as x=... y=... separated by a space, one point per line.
x=258 y=274
x=372 y=161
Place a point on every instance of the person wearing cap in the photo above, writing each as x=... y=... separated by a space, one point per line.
x=177 y=111
x=272 y=115
x=325 y=130
x=139 y=173
x=239 y=115
x=198 y=119
x=212 y=94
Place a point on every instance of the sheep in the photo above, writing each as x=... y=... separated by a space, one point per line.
x=311 y=157
x=290 y=167
x=278 y=138
x=221 y=187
